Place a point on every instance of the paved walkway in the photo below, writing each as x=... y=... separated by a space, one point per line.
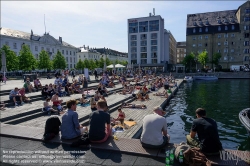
x=11 y=84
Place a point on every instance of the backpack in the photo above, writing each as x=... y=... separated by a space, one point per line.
x=48 y=136
x=84 y=140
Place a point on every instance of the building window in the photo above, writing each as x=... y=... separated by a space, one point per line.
x=134 y=61
x=62 y=51
x=247 y=10
x=200 y=37
x=143 y=26
x=133 y=43
x=225 y=43
x=233 y=43
x=154 y=36
x=232 y=50
x=219 y=36
x=199 y=45
x=194 y=45
x=42 y=48
x=144 y=43
x=153 y=48
x=154 y=61
x=74 y=53
x=226 y=28
x=153 y=42
x=36 y=48
x=206 y=29
x=133 y=27
x=52 y=50
x=194 y=38
x=154 y=25
x=232 y=27
x=246 y=43
x=218 y=51
x=143 y=61
x=69 y=52
x=225 y=35
x=225 y=50
x=247 y=18
x=143 y=49
x=219 y=44
x=206 y=44
x=57 y=50
x=219 y=28
x=143 y=55
x=206 y=37
x=70 y=59
x=133 y=37
x=153 y=54
x=7 y=43
x=133 y=49
x=143 y=36
x=232 y=35
x=47 y=49
x=246 y=35
x=246 y=51
x=66 y=52
x=194 y=30
x=133 y=56
x=200 y=29
x=225 y=58
x=246 y=27
x=67 y=59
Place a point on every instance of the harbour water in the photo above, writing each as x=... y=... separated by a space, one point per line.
x=223 y=100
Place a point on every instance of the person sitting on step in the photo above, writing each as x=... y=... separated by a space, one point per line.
x=15 y=96
x=23 y=96
x=56 y=102
x=48 y=108
x=141 y=95
x=130 y=105
x=83 y=100
x=93 y=104
x=121 y=116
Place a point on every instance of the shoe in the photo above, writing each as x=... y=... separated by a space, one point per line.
x=22 y=103
x=16 y=104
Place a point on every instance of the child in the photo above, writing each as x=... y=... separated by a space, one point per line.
x=47 y=107
x=121 y=116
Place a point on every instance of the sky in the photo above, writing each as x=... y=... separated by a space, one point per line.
x=99 y=24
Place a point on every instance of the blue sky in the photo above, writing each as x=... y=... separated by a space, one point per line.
x=101 y=23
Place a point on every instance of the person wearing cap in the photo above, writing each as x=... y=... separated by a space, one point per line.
x=70 y=127
x=206 y=129
x=154 y=130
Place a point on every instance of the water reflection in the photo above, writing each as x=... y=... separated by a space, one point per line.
x=223 y=100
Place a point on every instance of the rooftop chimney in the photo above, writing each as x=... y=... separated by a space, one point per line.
x=60 y=39
x=154 y=11
x=149 y=14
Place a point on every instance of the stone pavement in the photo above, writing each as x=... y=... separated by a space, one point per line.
x=11 y=84
x=58 y=154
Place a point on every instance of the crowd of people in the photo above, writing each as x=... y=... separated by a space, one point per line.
x=154 y=133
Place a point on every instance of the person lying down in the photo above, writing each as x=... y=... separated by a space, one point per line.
x=130 y=105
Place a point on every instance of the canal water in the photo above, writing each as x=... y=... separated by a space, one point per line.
x=223 y=100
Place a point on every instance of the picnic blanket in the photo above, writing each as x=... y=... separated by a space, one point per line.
x=129 y=124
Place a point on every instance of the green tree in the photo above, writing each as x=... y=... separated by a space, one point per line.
x=59 y=61
x=92 y=64
x=86 y=63
x=101 y=63
x=27 y=60
x=203 y=58
x=12 y=62
x=97 y=63
x=124 y=63
x=188 y=60
x=216 y=58
x=80 y=65
x=44 y=61
x=108 y=62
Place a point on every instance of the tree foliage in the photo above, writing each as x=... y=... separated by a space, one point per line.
x=203 y=58
x=80 y=65
x=27 y=60
x=44 y=61
x=101 y=63
x=86 y=63
x=12 y=62
x=189 y=60
x=59 y=61
x=216 y=58
x=92 y=64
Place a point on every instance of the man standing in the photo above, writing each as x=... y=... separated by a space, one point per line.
x=207 y=131
x=95 y=73
x=154 y=130
x=70 y=127
x=99 y=124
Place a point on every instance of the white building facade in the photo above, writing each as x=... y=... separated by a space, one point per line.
x=146 y=40
x=15 y=39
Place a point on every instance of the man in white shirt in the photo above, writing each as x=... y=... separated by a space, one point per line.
x=154 y=130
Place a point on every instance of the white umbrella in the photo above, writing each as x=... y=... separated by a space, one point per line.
x=119 y=66
x=110 y=66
